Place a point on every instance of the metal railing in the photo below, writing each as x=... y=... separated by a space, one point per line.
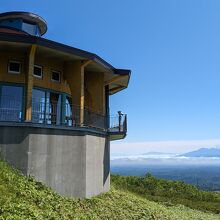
x=10 y=109
x=55 y=113
x=118 y=124
x=58 y=114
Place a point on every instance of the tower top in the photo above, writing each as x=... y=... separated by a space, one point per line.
x=26 y=22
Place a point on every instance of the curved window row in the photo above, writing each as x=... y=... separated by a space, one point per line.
x=47 y=107
x=21 y=25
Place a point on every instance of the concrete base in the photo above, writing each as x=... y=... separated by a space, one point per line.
x=73 y=163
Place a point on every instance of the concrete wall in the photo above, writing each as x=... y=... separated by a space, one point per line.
x=97 y=163
x=14 y=147
x=73 y=163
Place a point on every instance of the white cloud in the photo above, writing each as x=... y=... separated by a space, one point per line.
x=180 y=146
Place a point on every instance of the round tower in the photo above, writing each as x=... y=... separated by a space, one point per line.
x=22 y=23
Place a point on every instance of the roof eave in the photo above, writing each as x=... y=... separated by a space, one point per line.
x=28 y=39
x=55 y=45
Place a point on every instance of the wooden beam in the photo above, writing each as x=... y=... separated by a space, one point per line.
x=115 y=79
x=29 y=82
x=85 y=63
x=82 y=90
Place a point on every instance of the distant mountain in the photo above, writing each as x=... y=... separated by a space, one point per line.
x=203 y=152
x=157 y=153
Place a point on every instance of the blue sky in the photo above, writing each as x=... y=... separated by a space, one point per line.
x=172 y=48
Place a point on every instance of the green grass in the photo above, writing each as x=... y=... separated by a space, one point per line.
x=24 y=198
x=169 y=192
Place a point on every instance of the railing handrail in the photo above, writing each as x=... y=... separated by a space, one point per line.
x=60 y=113
x=118 y=123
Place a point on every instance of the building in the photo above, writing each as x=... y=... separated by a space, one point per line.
x=54 y=108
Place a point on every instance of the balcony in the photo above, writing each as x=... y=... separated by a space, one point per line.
x=47 y=113
x=118 y=127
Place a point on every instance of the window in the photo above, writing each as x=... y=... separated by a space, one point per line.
x=38 y=106
x=29 y=28
x=14 y=67
x=55 y=76
x=13 y=23
x=68 y=111
x=11 y=100
x=46 y=107
x=54 y=108
x=38 y=71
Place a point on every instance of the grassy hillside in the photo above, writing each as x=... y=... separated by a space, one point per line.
x=169 y=192
x=23 y=198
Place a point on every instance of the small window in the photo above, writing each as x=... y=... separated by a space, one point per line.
x=55 y=76
x=29 y=28
x=38 y=71
x=14 y=67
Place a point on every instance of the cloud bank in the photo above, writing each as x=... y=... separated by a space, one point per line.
x=177 y=147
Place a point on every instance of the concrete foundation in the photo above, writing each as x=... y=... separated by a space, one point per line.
x=75 y=163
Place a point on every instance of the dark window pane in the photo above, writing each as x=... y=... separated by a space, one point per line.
x=53 y=108
x=14 y=67
x=56 y=76
x=14 y=23
x=11 y=100
x=38 y=71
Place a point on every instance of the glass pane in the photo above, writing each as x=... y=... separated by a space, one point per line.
x=38 y=71
x=38 y=106
x=14 y=23
x=11 y=100
x=29 y=28
x=14 y=67
x=56 y=76
x=53 y=108
x=68 y=112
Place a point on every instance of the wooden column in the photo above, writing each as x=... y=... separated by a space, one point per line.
x=82 y=96
x=74 y=74
x=29 y=82
x=82 y=91
x=107 y=111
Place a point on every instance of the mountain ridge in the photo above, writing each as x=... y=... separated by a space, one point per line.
x=203 y=152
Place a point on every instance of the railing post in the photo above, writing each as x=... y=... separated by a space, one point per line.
x=120 y=114
x=107 y=115
x=125 y=124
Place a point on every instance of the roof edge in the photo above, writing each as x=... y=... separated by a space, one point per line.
x=29 y=39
